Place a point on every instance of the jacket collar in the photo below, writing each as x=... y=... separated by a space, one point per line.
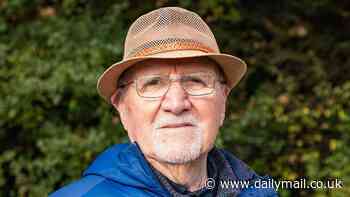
x=126 y=164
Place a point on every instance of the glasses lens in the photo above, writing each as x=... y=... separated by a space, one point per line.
x=198 y=83
x=152 y=86
x=195 y=84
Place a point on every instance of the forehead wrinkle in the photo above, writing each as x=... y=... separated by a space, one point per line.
x=147 y=68
x=199 y=66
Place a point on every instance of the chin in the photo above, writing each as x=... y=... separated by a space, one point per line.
x=178 y=147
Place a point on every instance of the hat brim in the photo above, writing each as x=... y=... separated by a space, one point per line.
x=233 y=67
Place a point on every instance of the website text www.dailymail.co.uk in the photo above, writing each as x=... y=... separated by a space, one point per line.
x=277 y=184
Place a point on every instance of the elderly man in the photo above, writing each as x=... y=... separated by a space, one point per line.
x=170 y=90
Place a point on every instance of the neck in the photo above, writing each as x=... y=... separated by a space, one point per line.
x=192 y=174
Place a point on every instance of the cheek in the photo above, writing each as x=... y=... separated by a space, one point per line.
x=141 y=118
x=210 y=112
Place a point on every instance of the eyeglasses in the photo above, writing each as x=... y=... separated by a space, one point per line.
x=155 y=86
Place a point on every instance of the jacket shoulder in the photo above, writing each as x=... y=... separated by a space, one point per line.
x=92 y=186
x=78 y=188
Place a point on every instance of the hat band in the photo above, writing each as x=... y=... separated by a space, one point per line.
x=171 y=46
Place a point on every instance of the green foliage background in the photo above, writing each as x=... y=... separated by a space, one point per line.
x=289 y=117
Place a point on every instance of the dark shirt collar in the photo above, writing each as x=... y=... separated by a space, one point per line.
x=218 y=169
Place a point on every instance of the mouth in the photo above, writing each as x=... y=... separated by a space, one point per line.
x=177 y=125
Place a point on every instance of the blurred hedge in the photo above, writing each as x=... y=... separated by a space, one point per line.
x=289 y=117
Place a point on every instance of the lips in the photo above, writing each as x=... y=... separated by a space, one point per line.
x=177 y=125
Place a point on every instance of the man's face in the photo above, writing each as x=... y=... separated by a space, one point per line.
x=177 y=127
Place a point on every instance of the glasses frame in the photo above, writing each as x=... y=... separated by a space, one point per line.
x=173 y=79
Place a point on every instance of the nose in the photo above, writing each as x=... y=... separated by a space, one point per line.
x=176 y=100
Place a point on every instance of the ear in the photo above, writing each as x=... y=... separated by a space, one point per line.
x=225 y=92
x=115 y=100
x=117 y=103
x=222 y=118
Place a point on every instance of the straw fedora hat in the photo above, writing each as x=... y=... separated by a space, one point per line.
x=169 y=33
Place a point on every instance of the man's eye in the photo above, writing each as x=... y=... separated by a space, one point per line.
x=152 y=82
x=197 y=80
x=194 y=80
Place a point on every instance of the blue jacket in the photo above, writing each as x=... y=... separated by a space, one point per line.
x=123 y=171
